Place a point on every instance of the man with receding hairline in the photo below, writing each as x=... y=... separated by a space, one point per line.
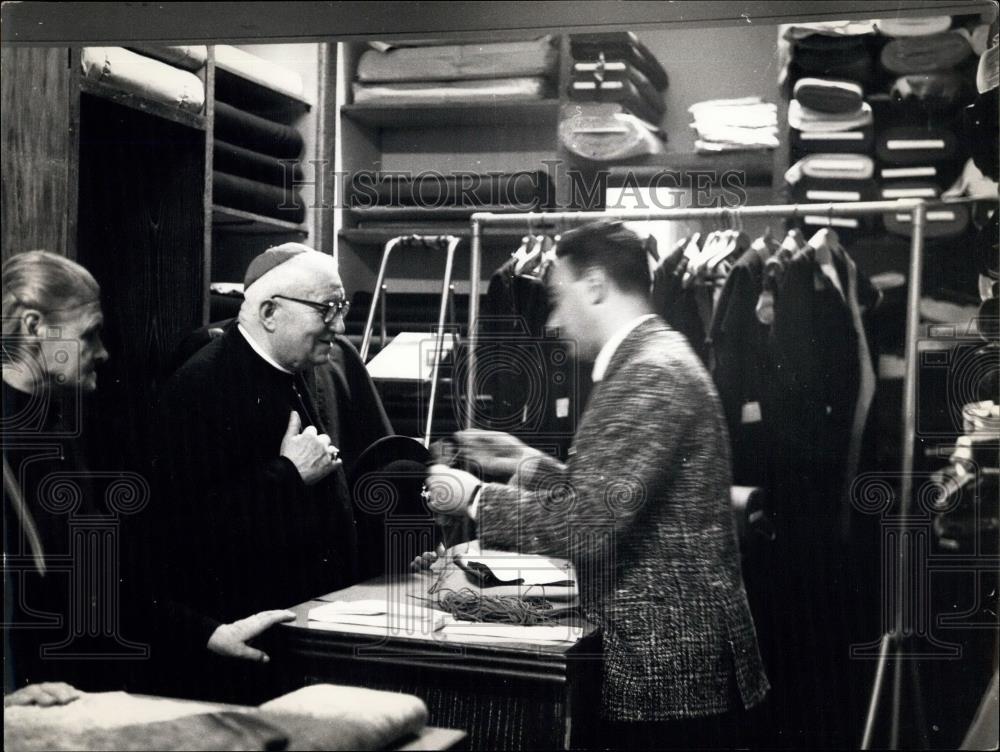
x=252 y=498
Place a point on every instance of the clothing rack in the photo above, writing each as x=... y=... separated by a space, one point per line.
x=892 y=642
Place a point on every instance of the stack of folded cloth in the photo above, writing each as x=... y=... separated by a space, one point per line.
x=829 y=115
x=160 y=74
x=835 y=177
x=256 y=160
x=617 y=67
x=433 y=203
x=741 y=124
x=433 y=74
x=926 y=63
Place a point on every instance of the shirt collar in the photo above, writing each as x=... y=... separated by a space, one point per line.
x=603 y=358
x=260 y=351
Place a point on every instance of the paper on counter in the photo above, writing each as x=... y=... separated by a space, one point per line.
x=514 y=632
x=375 y=614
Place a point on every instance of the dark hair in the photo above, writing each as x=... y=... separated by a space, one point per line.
x=612 y=247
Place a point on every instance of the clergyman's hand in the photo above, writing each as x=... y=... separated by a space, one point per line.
x=231 y=639
x=45 y=694
x=312 y=453
x=425 y=561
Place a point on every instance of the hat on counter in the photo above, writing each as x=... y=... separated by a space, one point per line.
x=925 y=53
x=271 y=258
x=913 y=27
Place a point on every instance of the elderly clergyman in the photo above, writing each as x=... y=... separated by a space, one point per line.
x=252 y=509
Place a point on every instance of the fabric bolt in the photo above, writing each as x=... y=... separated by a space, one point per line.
x=624 y=92
x=913 y=27
x=143 y=76
x=525 y=88
x=619 y=45
x=246 y=163
x=852 y=64
x=790 y=34
x=264 y=72
x=829 y=95
x=259 y=134
x=455 y=62
x=188 y=57
x=848 y=167
x=659 y=504
x=918 y=146
x=941 y=222
x=804 y=119
x=895 y=189
x=436 y=190
x=253 y=196
x=602 y=71
x=920 y=54
x=854 y=141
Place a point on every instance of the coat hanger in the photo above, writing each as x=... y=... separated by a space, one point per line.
x=531 y=260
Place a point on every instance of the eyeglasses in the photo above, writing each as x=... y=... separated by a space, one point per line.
x=329 y=311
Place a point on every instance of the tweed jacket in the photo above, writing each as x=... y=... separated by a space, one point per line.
x=642 y=509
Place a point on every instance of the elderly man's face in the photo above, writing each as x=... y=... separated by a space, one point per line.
x=302 y=338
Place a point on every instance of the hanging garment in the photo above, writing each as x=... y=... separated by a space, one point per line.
x=676 y=303
x=819 y=380
x=741 y=366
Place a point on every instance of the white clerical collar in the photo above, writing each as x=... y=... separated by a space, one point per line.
x=604 y=356
x=259 y=350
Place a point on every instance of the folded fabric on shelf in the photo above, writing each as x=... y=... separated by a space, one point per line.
x=188 y=57
x=789 y=34
x=829 y=95
x=261 y=71
x=451 y=62
x=925 y=53
x=729 y=124
x=247 y=163
x=259 y=134
x=236 y=192
x=803 y=118
x=143 y=76
x=913 y=27
x=817 y=190
x=452 y=92
x=619 y=45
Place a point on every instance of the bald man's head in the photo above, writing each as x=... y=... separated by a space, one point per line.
x=277 y=313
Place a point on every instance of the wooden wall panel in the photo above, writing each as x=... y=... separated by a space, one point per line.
x=34 y=90
x=141 y=193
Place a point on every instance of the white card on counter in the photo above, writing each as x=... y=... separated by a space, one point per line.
x=751 y=413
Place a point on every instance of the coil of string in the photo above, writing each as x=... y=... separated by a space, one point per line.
x=469 y=605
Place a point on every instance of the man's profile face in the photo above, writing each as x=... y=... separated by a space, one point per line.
x=569 y=310
x=302 y=339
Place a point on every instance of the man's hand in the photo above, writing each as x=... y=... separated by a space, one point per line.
x=498 y=454
x=44 y=694
x=425 y=561
x=450 y=491
x=312 y=453
x=231 y=639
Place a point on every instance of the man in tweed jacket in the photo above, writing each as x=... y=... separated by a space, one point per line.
x=641 y=507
